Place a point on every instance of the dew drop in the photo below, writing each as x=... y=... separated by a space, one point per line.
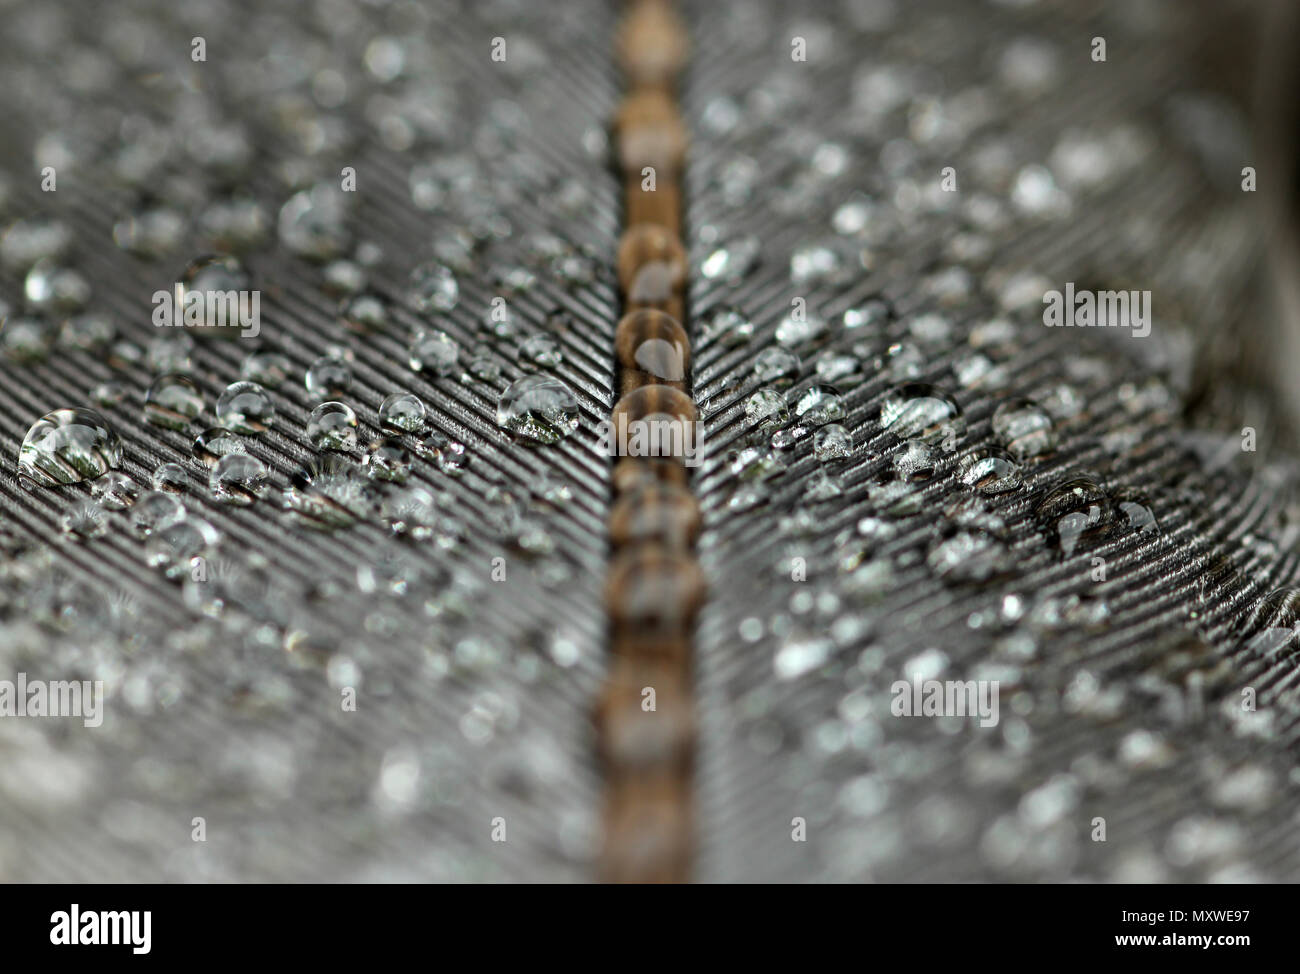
x=542 y=351
x=1076 y=513
x=173 y=548
x=832 y=442
x=434 y=288
x=330 y=376
x=387 y=460
x=269 y=369
x=171 y=477
x=84 y=521
x=990 y=470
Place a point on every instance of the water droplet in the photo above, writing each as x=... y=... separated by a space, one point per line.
x=402 y=412
x=832 y=442
x=969 y=556
x=434 y=288
x=541 y=350
x=365 y=312
x=170 y=353
x=67 y=446
x=115 y=490
x=434 y=351
x=800 y=329
x=776 y=367
x=154 y=511
x=26 y=340
x=329 y=376
x=214 y=443
x=817 y=405
x=329 y=493
x=1024 y=428
x=839 y=370
x=920 y=410
x=207 y=276
x=173 y=401
x=872 y=314
x=245 y=407
x=84 y=521
x=171 y=477
x=539 y=408
x=1075 y=513
x=915 y=461
x=729 y=326
x=411 y=511
x=484 y=368
x=768 y=407
x=332 y=426
x=313 y=223
x=108 y=394
x=1135 y=507
x=175 y=547
x=49 y=287
x=447 y=454
x=387 y=460
x=990 y=470
x=238 y=479
x=269 y=369
x=731 y=262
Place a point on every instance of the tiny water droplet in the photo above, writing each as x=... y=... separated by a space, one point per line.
x=434 y=288
x=832 y=442
x=990 y=470
x=1075 y=512
x=173 y=548
x=542 y=351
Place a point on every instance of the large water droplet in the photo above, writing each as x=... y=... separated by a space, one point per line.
x=538 y=407
x=67 y=446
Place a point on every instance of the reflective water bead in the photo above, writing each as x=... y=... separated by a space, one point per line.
x=67 y=446
x=173 y=401
x=245 y=407
x=332 y=426
x=538 y=408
